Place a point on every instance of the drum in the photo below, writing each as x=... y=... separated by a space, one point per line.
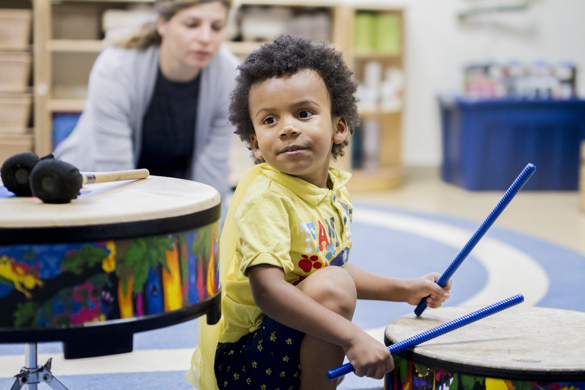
x=124 y=257
x=520 y=348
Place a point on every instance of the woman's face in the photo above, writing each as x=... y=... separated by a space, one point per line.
x=193 y=35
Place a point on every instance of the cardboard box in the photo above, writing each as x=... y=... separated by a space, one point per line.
x=13 y=144
x=15 y=71
x=15 y=29
x=14 y=113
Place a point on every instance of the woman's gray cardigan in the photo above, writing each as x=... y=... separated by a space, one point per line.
x=108 y=134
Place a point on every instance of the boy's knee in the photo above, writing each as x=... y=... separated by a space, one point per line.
x=333 y=288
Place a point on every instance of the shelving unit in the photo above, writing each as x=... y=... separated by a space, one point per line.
x=15 y=85
x=68 y=38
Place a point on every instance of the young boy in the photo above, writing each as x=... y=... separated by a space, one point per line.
x=289 y=292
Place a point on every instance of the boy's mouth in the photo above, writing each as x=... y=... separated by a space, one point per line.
x=293 y=150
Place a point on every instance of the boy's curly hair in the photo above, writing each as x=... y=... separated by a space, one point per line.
x=285 y=56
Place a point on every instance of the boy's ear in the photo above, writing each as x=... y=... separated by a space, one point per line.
x=255 y=147
x=340 y=130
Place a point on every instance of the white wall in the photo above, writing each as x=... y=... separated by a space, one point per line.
x=438 y=46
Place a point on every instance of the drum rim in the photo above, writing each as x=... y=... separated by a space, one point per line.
x=490 y=372
x=100 y=330
x=109 y=231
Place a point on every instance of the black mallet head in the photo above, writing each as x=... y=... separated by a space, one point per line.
x=16 y=172
x=54 y=181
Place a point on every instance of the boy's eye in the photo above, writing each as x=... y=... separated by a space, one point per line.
x=268 y=120
x=217 y=27
x=305 y=114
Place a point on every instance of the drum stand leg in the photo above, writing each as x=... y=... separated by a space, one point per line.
x=31 y=374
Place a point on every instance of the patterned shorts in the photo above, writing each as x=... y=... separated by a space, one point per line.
x=267 y=359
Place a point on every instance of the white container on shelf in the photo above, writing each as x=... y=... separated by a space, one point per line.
x=371 y=144
x=265 y=23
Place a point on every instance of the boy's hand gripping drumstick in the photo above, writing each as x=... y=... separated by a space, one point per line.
x=508 y=196
x=437 y=331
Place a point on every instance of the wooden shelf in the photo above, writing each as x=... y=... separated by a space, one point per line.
x=292 y=3
x=378 y=112
x=15 y=48
x=76 y=45
x=243 y=48
x=108 y=1
x=62 y=65
x=379 y=180
x=66 y=105
x=375 y=55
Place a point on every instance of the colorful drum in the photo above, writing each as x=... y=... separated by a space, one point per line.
x=522 y=348
x=124 y=257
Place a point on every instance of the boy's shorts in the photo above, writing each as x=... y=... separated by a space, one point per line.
x=267 y=359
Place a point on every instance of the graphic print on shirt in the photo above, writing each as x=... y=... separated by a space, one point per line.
x=322 y=238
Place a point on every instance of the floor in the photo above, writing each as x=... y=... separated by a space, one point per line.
x=554 y=216
x=548 y=227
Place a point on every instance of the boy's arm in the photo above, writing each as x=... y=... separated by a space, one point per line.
x=290 y=306
x=376 y=287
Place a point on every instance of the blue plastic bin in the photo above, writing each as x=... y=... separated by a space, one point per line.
x=63 y=125
x=487 y=143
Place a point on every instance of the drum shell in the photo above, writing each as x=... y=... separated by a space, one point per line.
x=63 y=285
x=122 y=258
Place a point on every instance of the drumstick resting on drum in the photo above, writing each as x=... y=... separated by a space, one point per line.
x=16 y=171
x=489 y=221
x=437 y=331
x=54 y=181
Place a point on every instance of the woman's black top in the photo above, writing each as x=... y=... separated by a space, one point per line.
x=168 y=128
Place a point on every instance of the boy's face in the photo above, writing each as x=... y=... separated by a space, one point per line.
x=294 y=128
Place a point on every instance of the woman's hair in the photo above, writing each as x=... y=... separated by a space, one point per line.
x=286 y=56
x=148 y=35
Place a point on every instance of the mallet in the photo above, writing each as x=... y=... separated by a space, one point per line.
x=54 y=181
x=489 y=221
x=437 y=331
x=16 y=171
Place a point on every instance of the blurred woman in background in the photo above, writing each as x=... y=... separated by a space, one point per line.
x=159 y=100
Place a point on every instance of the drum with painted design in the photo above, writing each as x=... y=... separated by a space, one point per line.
x=122 y=258
x=520 y=348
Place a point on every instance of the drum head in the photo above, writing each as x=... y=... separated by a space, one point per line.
x=116 y=210
x=517 y=343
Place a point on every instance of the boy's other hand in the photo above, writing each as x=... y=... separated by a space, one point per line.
x=368 y=356
x=425 y=286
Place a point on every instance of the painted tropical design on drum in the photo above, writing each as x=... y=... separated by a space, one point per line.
x=410 y=376
x=64 y=285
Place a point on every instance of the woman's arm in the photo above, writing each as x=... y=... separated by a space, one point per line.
x=376 y=287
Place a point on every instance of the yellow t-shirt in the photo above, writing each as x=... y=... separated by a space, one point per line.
x=289 y=223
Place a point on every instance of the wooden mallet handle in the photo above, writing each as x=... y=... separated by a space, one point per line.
x=103 y=177
x=54 y=181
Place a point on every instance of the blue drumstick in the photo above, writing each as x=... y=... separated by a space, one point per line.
x=507 y=198
x=437 y=331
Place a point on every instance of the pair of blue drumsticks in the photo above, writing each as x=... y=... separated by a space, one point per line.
x=469 y=318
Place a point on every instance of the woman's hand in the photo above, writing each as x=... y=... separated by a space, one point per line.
x=425 y=286
x=368 y=356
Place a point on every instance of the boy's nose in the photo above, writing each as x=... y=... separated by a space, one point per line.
x=288 y=130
